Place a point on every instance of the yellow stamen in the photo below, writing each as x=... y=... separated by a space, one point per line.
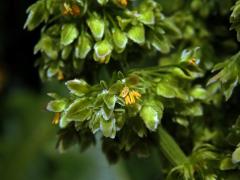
x=75 y=10
x=56 y=118
x=136 y=94
x=192 y=61
x=124 y=92
x=132 y=99
x=66 y=9
x=123 y=2
x=127 y=100
x=60 y=75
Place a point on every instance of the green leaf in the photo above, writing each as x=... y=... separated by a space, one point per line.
x=78 y=87
x=83 y=47
x=151 y=113
x=236 y=156
x=147 y=17
x=108 y=128
x=96 y=25
x=37 y=14
x=56 y=105
x=137 y=34
x=69 y=34
x=79 y=110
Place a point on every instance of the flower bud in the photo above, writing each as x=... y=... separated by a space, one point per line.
x=96 y=25
x=69 y=34
x=83 y=47
x=102 y=51
x=137 y=34
x=102 y=2
x=147 y=17
x=120 y=39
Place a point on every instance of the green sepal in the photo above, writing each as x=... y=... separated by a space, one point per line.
x=66 y=52
x=147 y=17
x=137 y=34
x=102 y=51
x=69 y=34
x=47 y=45
x=160 y=43
x=120 y=39
x=102 y=2
x=106 y=113
x=108 y=127
x=83 y=47
x=110 y=100
x=151 y=113
x=236 y=156
x=227 y=164
x=96 y=25
x=79 y=110
x=56 y=105
x=79 y=87
x=37 y=15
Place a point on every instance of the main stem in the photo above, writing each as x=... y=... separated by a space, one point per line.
x=170 y=148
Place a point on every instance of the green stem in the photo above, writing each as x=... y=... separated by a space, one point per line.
x=170 y=148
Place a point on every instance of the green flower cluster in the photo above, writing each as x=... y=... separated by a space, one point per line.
x=75 y=31
x=102 y=108
x=127 y=109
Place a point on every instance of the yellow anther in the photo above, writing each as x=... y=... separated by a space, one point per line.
x=73 y=10
x=124 y=92
x=60 y=75
x=56 y=118
x=127 y=100
x=136 y=94
x=130 y=97
x=123 y=2
x=192 y=61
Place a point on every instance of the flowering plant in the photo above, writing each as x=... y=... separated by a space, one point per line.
x=145 y=74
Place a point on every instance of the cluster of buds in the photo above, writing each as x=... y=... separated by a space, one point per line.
x=99 y=35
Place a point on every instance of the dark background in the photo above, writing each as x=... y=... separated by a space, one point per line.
x=27 y=137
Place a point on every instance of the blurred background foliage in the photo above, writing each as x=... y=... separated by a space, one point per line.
x=27 y=136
